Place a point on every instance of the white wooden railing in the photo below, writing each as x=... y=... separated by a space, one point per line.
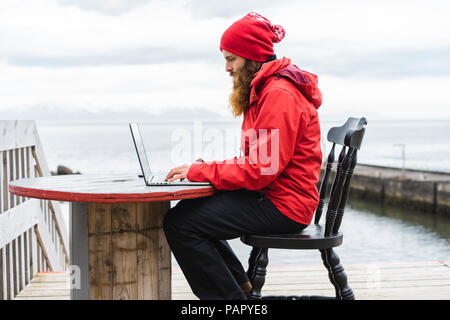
x=33 y=237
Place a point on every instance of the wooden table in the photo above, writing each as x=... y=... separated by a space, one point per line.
x=117 y=245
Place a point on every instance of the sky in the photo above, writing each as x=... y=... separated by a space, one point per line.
x=379 y=59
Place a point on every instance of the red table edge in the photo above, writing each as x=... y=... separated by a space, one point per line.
x=110 y=197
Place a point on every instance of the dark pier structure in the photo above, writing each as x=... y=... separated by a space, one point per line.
x=416 y=189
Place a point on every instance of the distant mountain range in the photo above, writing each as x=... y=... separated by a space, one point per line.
x=48 y=113
x=175 y=114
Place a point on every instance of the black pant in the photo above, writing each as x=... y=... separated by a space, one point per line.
x=196 y=230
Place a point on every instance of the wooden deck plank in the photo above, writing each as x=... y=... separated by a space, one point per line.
x=410 y=281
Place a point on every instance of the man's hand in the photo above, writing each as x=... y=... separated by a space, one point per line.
x=177 y=173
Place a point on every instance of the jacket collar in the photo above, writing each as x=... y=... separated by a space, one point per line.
x=267 y=70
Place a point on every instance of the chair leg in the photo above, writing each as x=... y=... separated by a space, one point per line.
x=252 y=262
x=337 y=275
x=256 y=272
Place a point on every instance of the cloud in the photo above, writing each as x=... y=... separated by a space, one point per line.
x=348 y=38
x=122 y=56
x=158 y=87
x=229 y=8
x=110 y=7
x=407 y=98
x=156 y=32
x=376 y=64
x=384 y=57
x=136 y=87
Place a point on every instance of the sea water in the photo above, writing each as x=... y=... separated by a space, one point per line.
x=372 y=233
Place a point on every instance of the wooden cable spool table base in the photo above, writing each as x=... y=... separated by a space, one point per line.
x=129 y=257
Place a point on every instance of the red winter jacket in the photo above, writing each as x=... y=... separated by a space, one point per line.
x=280 y=139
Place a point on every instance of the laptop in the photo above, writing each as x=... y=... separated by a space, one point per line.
x=154 y=179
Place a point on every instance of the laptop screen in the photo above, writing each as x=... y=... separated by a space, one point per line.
x=140 y=150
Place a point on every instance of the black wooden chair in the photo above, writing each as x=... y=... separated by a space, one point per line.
x=316 y=236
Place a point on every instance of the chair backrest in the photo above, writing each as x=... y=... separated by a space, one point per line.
x=350 y=136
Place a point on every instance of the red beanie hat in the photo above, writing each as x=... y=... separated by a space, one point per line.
x=252 y=37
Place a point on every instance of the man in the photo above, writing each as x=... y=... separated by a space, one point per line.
x=257 y=192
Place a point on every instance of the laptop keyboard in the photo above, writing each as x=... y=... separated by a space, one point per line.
x=159 y=180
